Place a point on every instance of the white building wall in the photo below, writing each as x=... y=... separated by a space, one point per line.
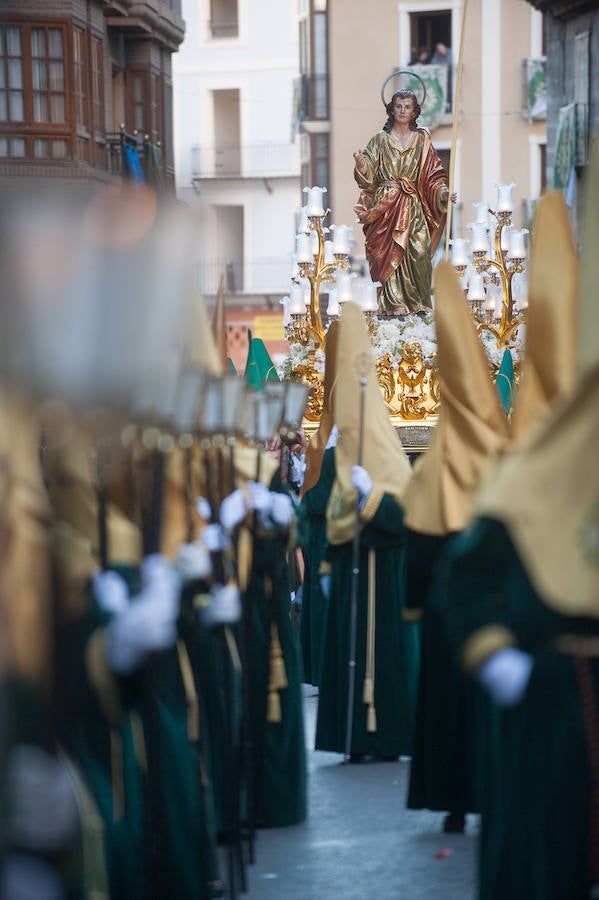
x=262 y=64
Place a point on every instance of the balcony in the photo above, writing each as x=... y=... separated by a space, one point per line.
x=265 y=160
x=311 y=98
x=129 y=156
x=257 y=276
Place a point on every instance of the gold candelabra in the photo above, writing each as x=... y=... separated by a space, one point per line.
x=498 y=270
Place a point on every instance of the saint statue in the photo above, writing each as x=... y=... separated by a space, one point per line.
x=402 y=206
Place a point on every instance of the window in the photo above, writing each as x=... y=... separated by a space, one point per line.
x=47 y=67
x=155 y=108
x=139 y=102
x=321 y=160
x=33 y=91
x=12 y=93
x=427 y=29
x=97 y=72
x=224 y=19
x=79 y=64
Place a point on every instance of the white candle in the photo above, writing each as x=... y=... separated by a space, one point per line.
x=517 y=249
x=303 y=249
x=333 y=308
x=341 y=239
x=297 y=306
x=482 y=217
x=476 y=289
x=344 y=287
x=504 y=197
x=284 y=301
x=459 y=254
x=328 y=252
x=314 y=206
x=506 y=237
x=480 y=241
x=303 y=226
x=498 y=306
x=369 y=296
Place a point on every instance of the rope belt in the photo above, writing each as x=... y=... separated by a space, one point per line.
x=586 y=645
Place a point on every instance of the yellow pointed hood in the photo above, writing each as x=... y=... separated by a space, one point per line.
x=546 y=493
x=383 y=455
x=471 y=429
x=317 y=446
x=548 y=370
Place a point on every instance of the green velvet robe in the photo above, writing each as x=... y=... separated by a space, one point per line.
x=442 y=770
x=536 y=776
x=279 y=755
x=396 y=645
x=313 y=539
x=157 y=832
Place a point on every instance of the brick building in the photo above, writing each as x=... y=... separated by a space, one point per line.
x=86 y=90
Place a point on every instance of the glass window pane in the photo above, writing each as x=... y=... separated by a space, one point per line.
x=59 y=149
x=15 y=73
x=17 y=148
x=41 y=148
x=55 y=43
x=38 y=42
x=138 y=89
x=2 y=75
x=139 y=118
x=16 y=112
x=57 y=108
x=13 y=42
x=1 y=41
x=40 y=75
x=3 y=107
x=56 y=76
x=40 y=108
x=3 y=147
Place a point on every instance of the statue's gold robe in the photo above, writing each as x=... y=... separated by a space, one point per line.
x=402 y=208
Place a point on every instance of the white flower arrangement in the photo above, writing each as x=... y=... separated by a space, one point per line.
x=390 y=337
x=298 y=356
x=392 y=334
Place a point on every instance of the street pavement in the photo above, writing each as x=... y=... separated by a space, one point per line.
x=359 y=841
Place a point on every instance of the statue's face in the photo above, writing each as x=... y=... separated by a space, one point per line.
x=403 y=110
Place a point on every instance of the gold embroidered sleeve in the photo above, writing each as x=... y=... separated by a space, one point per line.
x=373 y=501
x=483 y=643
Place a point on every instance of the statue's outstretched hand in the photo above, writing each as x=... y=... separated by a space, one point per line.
x=360 y=162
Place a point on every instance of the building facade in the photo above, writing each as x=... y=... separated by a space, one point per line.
x=237 y=158
x=500 y=137
x=86 y=90
x=572 y=83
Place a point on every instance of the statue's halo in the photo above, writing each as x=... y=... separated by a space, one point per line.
x=411 y=74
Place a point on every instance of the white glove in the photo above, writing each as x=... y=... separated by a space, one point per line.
x=281 y=511
x=110 y=591
x=260 y=497
x=213 y=538
x=325 y=585
x=297 y=469
x=29 y=878
x=43 y=810
x=149 y=624
x=204 y=508
x=505 y=674
x=224 y=607
x=193 y=562
x=233 y=510
x=361 y=480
